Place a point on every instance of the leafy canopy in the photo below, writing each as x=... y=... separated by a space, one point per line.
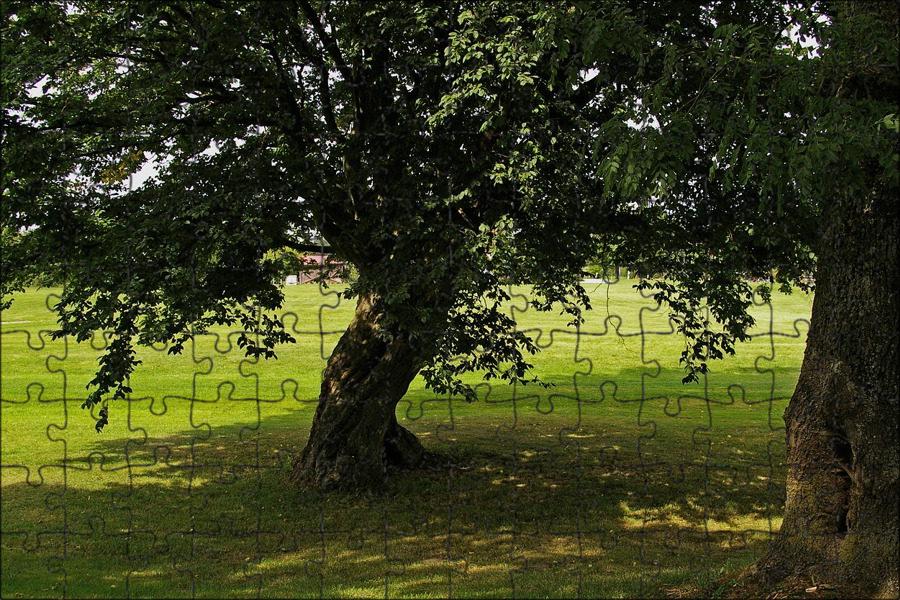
x=444 y=149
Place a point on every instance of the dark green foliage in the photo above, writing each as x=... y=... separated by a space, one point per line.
x=443 y=150
x=413 y=137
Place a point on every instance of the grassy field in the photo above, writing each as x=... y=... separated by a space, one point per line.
x=617 y=482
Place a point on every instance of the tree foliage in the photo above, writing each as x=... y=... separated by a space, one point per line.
x=757 y=134
x=416 y=138
x=444 y=149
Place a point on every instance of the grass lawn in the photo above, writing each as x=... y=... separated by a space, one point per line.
x=617 y=482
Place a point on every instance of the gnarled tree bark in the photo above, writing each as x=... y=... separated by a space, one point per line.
x=841 y=514
x=355 y=438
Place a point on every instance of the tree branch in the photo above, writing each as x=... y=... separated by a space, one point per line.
x=327 y=106
x=328 y=42
x=586 y=92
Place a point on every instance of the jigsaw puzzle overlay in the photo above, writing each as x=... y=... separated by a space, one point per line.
x=167 y=162
x=618 y=480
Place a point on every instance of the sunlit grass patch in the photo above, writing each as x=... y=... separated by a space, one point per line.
x=617 y=482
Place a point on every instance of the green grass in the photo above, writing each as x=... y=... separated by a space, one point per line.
x=617 y=482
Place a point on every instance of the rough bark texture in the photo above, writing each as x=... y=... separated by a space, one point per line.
x=355 y=438
x=841 y=513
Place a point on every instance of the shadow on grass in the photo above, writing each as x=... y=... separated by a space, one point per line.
x=528 y=512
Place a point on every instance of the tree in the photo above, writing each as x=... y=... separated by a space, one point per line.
x=841 y=515
x=447 y=150
x=427 y=144
x=787 y=159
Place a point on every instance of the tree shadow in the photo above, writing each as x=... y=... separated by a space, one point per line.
x=212 y=511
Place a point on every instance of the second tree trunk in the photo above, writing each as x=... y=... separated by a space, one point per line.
x=841 y=515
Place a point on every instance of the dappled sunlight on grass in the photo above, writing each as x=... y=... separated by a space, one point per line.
x=613 y=483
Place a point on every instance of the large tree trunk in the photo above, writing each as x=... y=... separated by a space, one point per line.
x=355 y=438
x=841 y=513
